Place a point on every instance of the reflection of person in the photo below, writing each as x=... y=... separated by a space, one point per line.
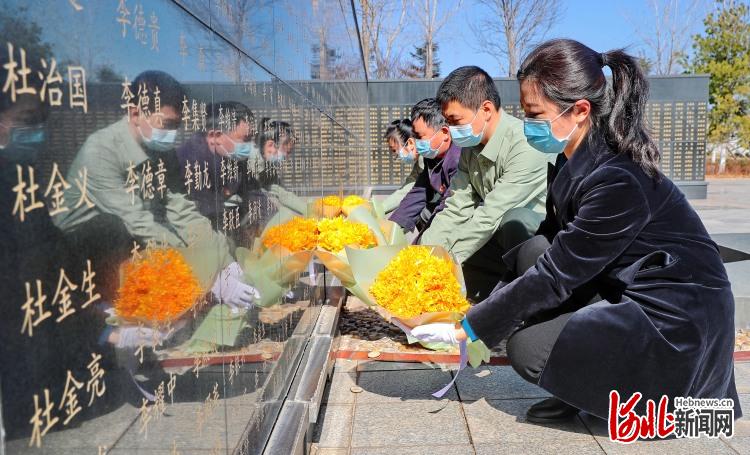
x=217 y=150
x=276 y=141
x=399 y=135
x=433 y=144
x=121 y=161
x=623 y=289
x=497 y=196
x=36 y=353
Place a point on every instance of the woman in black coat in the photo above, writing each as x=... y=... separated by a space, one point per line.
x=622 y=289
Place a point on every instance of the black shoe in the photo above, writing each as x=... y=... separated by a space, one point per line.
x=551 y=410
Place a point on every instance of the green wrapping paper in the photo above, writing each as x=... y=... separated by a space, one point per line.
x=219 y=328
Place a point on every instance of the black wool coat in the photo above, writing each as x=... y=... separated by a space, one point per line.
x=666 y=321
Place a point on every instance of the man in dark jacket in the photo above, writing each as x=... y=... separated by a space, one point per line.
x=427 y=197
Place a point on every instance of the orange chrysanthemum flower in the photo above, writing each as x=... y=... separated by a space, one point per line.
x=297 y=234
x=157 y=288
x=336 y=233
x=416 y=282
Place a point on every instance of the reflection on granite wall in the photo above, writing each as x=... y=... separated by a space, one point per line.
x=144 y=148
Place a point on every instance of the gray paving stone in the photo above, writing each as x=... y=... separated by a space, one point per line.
x=738 y=273
x=745 y=405
x=338 y=390
x=504 y=422
x=344 y=366
x=328 y=451
x=551 y=447
x=700 y=446
x=742 y=378
x=415 y=423
x=155 y=452
x=334 y=427
x=394 y=386
x=374 y=365
x=738 y=242
x=740 y=441
x=431 y=449
x=496 y=382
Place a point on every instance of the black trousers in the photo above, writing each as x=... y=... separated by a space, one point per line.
x=485 y=268
x=530 y=346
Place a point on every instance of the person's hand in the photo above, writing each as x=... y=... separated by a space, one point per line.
x=134 y=336
x=436 y=333
x=232 y=291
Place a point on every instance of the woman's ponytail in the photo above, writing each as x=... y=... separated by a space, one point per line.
x=626 y=128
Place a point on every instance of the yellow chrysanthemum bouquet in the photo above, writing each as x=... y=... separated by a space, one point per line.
x=414 y=285
x=333 y=206
x=289 y=243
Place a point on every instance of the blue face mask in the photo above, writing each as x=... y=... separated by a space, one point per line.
x=539 y=135
x=405 y=157
x=160 y=140
x=242 y=150
x=463 y=135
x=24 y=143
x=277 y=158
x=27 y=135
x=424 y=149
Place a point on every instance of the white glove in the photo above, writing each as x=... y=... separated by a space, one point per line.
x=232 y=291
x=134 y=336
x=436 y=333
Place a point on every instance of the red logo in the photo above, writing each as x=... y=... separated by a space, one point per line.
x=625 y=426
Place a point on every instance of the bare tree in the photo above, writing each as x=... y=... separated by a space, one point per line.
x=333 y=57
x=432 y=22
x=666 y=32
x=512 y=27
x=382 y=25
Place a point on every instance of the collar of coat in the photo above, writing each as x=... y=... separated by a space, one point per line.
x=491 y=150
x=591 y=153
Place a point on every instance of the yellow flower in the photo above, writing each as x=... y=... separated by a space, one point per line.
x=297 y=234
x=332 y=201
x=416 y=282
x=328 y=206
x=351 y=202
x=336 y=233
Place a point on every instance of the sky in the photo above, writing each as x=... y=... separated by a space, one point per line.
x=601 y=25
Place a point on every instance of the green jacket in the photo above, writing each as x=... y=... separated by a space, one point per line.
x=172 y=219
x=392 y=202
x=491 y=179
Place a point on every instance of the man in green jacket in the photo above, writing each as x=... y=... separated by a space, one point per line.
x=127 y=205
x=497 y=197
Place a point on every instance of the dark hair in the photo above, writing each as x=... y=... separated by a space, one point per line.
x=171 y=92
x=41 y=113
x=566 y=71
x=430 y=112
x=470 y=86
x=273 y=130
x=241 y=111
x=401 y=130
